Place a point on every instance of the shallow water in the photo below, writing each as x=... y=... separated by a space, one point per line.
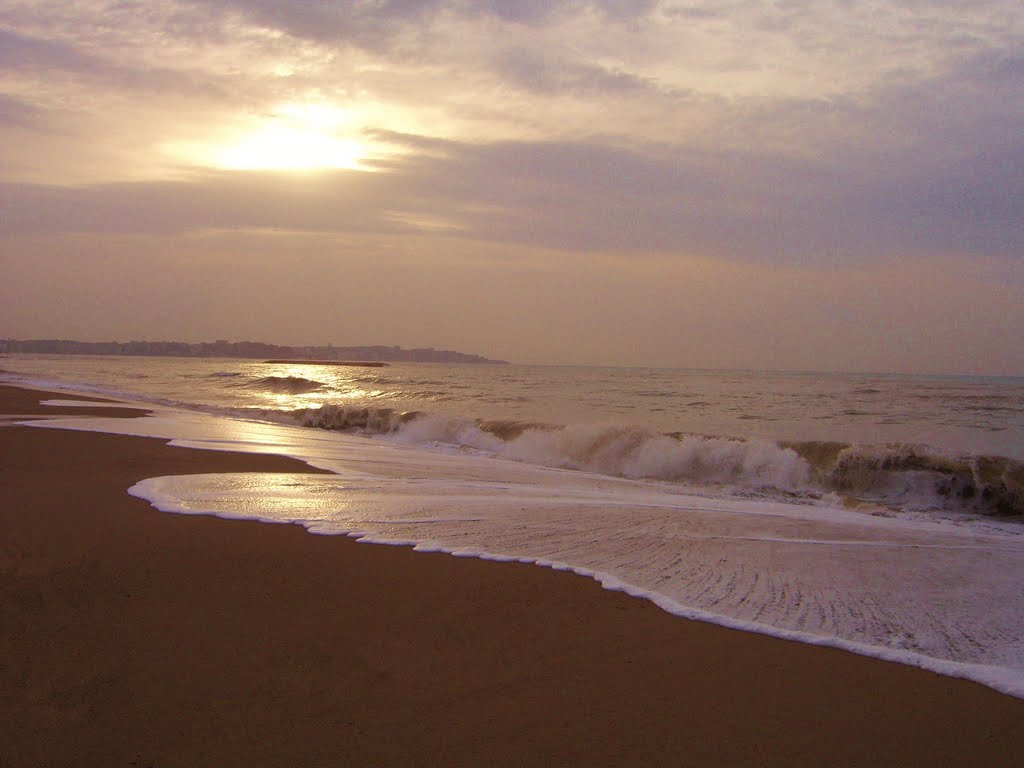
x=977 y=415
x=942 y=595
x=907 y=445
x=855 y=511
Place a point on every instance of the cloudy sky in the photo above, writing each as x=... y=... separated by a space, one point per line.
x=830 y=185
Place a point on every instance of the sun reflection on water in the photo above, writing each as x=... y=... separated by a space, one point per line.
x=292 y=387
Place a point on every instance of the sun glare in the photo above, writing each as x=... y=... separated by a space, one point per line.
x=297 y=137
x=288 y=147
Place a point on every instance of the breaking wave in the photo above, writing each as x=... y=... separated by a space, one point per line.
x=911 y=477
x=904 y=478
x=352 y=418
x=632 y=452
x=285 y=385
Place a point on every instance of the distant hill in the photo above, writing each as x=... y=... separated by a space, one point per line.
x=242 y=349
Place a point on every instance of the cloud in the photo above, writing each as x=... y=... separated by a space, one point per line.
x=579 y=196
x=36 y=60
x=16 y=112
x=796 y=180
x=548 y=73
x=26 y=52
x=350 y=22
x=366 y=23
x=610 y=155
x=533 y=12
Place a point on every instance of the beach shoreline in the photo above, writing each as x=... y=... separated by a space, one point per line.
x=131 y=635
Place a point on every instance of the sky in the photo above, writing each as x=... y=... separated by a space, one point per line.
x=829 y=185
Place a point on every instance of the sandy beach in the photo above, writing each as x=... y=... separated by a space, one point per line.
x=133 y=637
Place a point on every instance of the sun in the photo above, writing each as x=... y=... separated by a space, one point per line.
x=288 y=148
x=291 y=137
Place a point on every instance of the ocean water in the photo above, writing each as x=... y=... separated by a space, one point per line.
x=876 y=513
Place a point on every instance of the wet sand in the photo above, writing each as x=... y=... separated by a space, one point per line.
x=133 y=637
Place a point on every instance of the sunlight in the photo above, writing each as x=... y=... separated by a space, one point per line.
x=292 y=136
x=288 y=148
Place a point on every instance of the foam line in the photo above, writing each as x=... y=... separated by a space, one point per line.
x=938 y=596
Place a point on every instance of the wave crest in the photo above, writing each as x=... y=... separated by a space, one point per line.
x=286 y=385
x=631 y=452
x=900 y=477
x=352 y=418
x=910 y=476
x=640 y=453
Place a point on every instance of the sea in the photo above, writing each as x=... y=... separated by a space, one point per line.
x=879 y=513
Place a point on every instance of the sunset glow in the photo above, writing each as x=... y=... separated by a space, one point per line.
x=291 y=137
x=579 y=182
x=288 y=148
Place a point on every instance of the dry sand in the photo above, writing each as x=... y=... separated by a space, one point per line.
x=129 y=637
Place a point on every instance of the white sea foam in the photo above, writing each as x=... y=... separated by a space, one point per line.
x=940 y=596
x=912 y=445
x=641 y=453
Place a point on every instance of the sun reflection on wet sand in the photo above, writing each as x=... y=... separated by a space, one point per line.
x=816 y=573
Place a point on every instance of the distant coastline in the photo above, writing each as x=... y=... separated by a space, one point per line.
x=303 y=361
x=243 y=349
